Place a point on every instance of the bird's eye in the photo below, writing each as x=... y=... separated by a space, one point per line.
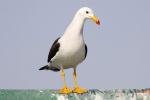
x=87 y=12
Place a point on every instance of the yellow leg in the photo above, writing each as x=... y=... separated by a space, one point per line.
x=77 y=89
x=65 y=89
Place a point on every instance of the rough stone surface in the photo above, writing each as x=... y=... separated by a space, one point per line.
x=135 y=94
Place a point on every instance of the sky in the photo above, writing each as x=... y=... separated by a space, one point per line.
x=118 y=50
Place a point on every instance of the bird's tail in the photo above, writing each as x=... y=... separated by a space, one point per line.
x=46 y=67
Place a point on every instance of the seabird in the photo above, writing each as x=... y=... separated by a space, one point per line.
x=69 y=50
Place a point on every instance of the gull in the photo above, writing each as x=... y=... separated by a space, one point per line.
x=69 y=50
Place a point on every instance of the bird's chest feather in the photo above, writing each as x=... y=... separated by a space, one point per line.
x=73 y=50
x=73 y=47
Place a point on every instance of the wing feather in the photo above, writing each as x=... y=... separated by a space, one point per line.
x=54 y=49
x=86 y=50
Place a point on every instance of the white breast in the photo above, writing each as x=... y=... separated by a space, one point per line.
x=71 y=51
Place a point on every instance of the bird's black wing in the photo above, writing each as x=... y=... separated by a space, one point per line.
x=86 y=49
x=54 y=49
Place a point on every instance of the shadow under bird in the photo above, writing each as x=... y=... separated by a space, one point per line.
x=69 y=50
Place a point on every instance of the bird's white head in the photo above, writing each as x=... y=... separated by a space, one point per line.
x=87 y=13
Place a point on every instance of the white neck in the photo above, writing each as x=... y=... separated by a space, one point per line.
x=76 y=26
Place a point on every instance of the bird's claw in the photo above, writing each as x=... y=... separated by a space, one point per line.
x=65 y=90
x=79 y=90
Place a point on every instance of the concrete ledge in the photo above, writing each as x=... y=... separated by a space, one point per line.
x=127 y=94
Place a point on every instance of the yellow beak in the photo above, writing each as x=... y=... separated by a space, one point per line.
x=95 y=19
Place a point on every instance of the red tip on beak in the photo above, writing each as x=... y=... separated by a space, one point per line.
x=98 y=22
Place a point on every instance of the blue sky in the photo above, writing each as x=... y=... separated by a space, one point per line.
x=118 y=49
